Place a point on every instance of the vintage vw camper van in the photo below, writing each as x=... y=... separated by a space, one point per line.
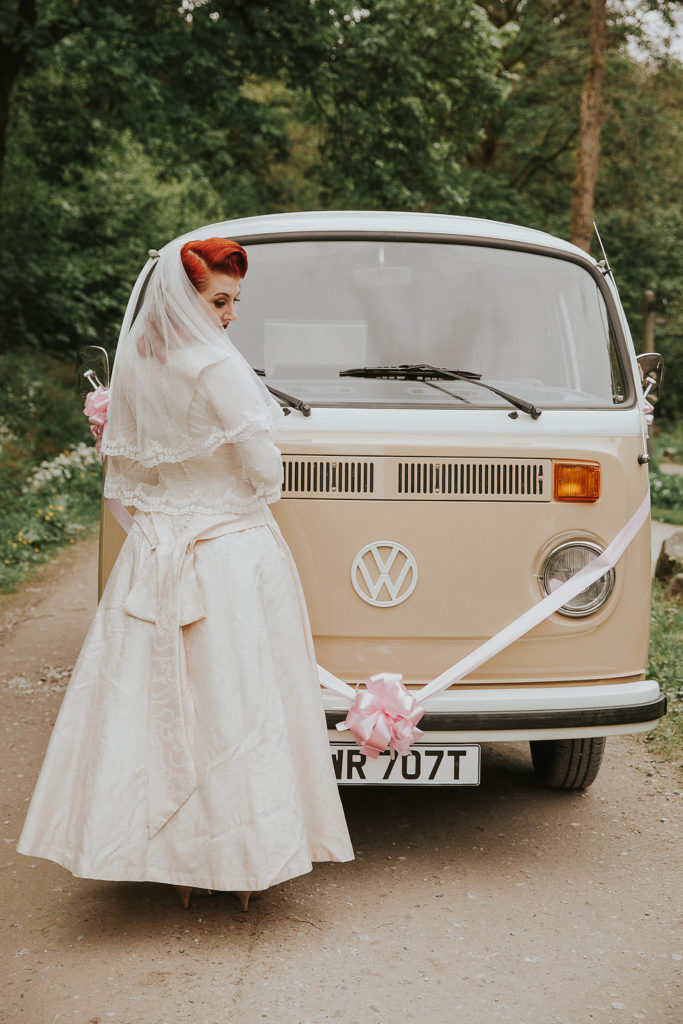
x=465 y=433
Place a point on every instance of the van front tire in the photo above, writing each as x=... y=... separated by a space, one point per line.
x=567 y=764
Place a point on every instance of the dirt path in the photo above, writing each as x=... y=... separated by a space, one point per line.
x=506 y=903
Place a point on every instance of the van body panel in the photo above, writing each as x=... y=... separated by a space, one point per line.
x=478 y=565
x=112 y=537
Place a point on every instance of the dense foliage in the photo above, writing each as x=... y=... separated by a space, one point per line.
x=666 y=665
x=50 y=473
x=400 y=102
x=130 y=122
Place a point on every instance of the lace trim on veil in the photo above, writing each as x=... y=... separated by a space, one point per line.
x=160 y=502
x=156 y=453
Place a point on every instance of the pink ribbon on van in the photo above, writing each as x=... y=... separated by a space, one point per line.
x=120 y=513
x=379 y=708
x=384 y=715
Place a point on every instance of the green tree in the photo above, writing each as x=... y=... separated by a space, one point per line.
x=639 y=206
x=401 y=99
x=131 y=121
x=524 y=167
x=168 y=66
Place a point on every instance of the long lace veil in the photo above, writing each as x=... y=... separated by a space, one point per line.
x=180 y=388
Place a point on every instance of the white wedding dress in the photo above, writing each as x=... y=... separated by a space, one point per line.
x=191 y=745
x=263 y=803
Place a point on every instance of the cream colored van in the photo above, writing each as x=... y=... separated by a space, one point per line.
x=466 y=432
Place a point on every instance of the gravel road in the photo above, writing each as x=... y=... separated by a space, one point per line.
x=505 y=903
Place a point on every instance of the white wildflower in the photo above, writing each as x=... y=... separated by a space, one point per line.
x=62 y=467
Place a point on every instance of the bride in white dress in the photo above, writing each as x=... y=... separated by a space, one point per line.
x=191 y=745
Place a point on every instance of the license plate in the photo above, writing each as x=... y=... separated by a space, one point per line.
x=427 y=764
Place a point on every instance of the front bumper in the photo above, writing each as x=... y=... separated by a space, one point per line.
x=480 y=714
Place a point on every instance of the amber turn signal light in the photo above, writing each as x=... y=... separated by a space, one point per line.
x=577 y=481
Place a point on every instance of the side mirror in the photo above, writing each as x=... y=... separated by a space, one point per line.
x=92 y=364
x=651 y=366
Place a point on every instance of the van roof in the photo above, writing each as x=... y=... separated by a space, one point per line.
x=360 y=221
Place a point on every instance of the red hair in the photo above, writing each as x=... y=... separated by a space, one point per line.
x=212 y=255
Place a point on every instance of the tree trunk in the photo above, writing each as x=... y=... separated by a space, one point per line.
x=13 y=53
x=8 y=76
x=590 y=120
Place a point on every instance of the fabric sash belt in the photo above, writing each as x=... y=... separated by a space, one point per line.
x=166 y=593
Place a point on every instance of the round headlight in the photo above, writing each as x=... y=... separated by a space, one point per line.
x=563 y=563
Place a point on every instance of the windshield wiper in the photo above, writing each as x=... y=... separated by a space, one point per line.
x=295 y=403
x=425 y=372
x=409 y=371
x=285 y=399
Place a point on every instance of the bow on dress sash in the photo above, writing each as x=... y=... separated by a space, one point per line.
x=166 y=593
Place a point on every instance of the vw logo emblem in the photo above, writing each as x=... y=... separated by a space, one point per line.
x=384 y=573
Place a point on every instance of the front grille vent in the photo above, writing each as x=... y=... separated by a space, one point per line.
x=473 y=479
x=388 y=478
x=328 y=476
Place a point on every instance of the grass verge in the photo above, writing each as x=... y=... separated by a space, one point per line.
x=58 y=503
x=666 y=490
x=666 y=666
x=50 y=474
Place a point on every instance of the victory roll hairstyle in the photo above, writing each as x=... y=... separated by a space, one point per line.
x=217 y=255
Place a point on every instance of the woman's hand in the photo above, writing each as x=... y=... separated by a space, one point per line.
x=151 y=342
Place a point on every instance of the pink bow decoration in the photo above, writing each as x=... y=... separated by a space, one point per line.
x=95 y=408
x=384 y=715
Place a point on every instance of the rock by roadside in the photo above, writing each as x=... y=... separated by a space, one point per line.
x=670 y=560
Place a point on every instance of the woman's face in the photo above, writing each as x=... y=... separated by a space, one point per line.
x=222 y=292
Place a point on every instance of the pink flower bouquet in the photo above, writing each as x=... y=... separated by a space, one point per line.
x=95 y=408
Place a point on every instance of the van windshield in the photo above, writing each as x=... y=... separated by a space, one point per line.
x=528 y=323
